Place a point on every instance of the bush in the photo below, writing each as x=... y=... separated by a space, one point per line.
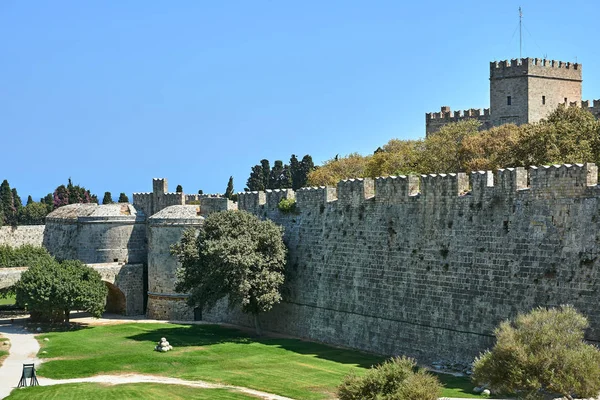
x=287 y=205
x=24 y=256
x=542 y=352
x=395 y=379
x=49 y=292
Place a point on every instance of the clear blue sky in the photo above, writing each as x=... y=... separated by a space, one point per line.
x=114 y=93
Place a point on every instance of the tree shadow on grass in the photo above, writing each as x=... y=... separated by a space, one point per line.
x=206 y=335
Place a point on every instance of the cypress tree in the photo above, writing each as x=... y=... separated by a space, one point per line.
x=266 y=173
x=107 y=198
x=16 y=199
x=229 y=190
x=29 y=200
x=179 y=189
x=123 y=198
x=256 y=180
x=8 y=206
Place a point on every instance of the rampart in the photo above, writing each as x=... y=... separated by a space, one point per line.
x=435 y=120
x=429 y=265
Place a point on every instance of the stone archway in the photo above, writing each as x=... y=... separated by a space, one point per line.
x=115 y=300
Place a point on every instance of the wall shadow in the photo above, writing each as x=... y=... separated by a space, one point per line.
x=206 y=335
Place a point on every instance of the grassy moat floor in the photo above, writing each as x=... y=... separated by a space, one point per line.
x=287 y=367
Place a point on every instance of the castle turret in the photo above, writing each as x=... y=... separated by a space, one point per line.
x=527 y=90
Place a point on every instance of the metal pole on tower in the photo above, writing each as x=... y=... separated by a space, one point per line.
x=520 y=32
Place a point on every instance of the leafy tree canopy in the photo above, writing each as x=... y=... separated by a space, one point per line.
x=235 y=254
x=568 y=135
x=123 y=198
x=107 y=199
x=52 y=290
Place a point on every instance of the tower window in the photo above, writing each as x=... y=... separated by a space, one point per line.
x=543 y=99
x=508 y=100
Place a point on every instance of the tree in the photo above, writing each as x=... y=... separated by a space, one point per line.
x=48 y=200
x=396 y=378
x=280 y=177
x=8 y=206
x=229 y=190
x=71 y=194
x=16 y=199
x=179 y=189
x=51 y=291
x=33 y=214
x=123 y=198
x=107 y=199
x=255 y=181
x=235 y=254
x=336 y=169
x=200 y=191
x=29 y=199
x=542 y=351
x=266 y=172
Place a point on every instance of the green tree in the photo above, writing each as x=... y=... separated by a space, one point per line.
x=8 y=207
x=29 y=199
x=255 y=181
x=51 y=291
x=33 y=213
x=338 y=168
x=107 y=199
x=123 y=198
x=280 y=177
x=542 y=351
x=179 y=189
x=200 y=191
x=16 y=199
x=229 y=190
x=237 y=255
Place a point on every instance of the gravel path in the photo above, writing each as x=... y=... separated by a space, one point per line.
x=23 y=350
x=136 y=378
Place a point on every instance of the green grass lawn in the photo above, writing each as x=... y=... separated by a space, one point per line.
x=8 y=301
x=288 y=367
x=132 y=391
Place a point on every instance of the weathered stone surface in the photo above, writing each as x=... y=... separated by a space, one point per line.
x=21 y=235
x=432 y=274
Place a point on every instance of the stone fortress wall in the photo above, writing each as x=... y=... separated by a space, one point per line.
x=426 y=266
x=429 y=265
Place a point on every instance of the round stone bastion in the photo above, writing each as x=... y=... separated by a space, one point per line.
x=95 y=233
x=165 y=228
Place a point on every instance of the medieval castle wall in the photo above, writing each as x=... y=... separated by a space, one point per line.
x=429 y=266
x=16 y=236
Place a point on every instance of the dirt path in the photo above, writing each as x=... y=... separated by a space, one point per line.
x=23 y=349
x=136 y=378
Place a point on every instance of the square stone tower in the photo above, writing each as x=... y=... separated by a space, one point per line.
x=527 y=90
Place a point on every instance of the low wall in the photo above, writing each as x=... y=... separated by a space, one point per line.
x=16 y=236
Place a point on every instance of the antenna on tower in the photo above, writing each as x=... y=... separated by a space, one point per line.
x=520 y=32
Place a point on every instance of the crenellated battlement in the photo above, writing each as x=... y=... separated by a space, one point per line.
x=435 y=120
x=316 y=196
x=539 y=67
x=355 y=191
x=393 y=188
x=274 y=196
x=554 y=181
x=251 y=201
x=444 y=185
x=448 y=116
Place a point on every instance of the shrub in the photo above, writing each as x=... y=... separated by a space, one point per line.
x=394 y=379
x=541 y=352
x=287 y=205
x=49 y=292
x=23 y=256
